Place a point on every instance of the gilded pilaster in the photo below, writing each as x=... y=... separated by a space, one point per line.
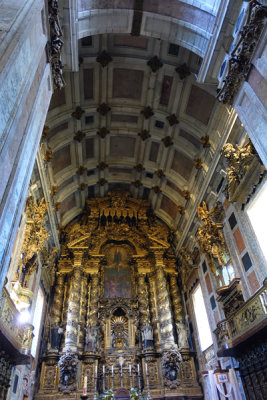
x=163 y=303
x=74 y=305
x=58 y=299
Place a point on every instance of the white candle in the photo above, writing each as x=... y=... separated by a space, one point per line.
x=96 y=370
x=137 y=369
x=85 y=385
x=104 y=369
x=130 y=369
x=146 y=368
x=112 y=370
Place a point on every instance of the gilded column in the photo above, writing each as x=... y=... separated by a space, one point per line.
x=176 y=299
x=163 y=302
x=153 y=308
x=94 y=298
x=74 y=305
x=82 y=318
x=58 y=299
x=178 y=313
x=143 y=300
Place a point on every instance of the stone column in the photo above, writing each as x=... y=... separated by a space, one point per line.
x=74 y=305
x=82 y=318
x=163 y=302
x=58 y=299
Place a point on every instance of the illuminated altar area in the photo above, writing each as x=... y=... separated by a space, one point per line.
x=117 y=318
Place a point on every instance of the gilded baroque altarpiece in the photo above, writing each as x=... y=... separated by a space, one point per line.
x=117 y=318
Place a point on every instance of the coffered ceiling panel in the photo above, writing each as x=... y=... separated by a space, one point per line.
x=134 y=118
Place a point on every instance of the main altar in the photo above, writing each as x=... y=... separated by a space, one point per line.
x=117 y=319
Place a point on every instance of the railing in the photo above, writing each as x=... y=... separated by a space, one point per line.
x=249 y=316
x=20 y=335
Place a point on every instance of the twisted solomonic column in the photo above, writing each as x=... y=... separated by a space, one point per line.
x=178 y=313
x=153 y=308
x=143 y=300
x=58 y=299
x=73 y=313
x=163 y=303
x=82 y=317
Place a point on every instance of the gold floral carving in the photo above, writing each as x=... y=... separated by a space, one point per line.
x=35 y=234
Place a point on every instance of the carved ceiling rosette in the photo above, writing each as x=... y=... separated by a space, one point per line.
x=183 y=71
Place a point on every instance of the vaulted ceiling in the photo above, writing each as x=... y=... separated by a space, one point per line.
x=134 y=117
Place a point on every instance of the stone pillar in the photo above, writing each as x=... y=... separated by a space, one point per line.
x=82 y=318
x=74 y=305
x=163 y=302
x=58 y=299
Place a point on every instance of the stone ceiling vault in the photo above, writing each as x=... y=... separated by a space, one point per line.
x=147 y=138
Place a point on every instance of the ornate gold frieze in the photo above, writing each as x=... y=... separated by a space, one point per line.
x=246 y=319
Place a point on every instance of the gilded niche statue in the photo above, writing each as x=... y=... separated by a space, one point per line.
x=210 y=235
x=113 y=301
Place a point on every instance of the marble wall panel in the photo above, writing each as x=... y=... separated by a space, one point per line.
x=67 y=204
x=154 y=149
x=89 y=148
x=122 y=146
x=169 y=207
x=182 y=165
x=200 y=104
x=61 y=159
x=127 y=83
x=88 y=85
x=58 y=99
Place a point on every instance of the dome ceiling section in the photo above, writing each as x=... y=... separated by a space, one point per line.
x=124 y=125
x=189 y=24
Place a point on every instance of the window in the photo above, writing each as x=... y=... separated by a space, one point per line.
x=257 y=214
x=203 y=326
x=37 y=318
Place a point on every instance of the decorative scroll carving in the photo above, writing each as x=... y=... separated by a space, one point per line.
x=56 y=44
x=68 y=363
x=240 y=62
x=210 y=235
x=171 y=360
